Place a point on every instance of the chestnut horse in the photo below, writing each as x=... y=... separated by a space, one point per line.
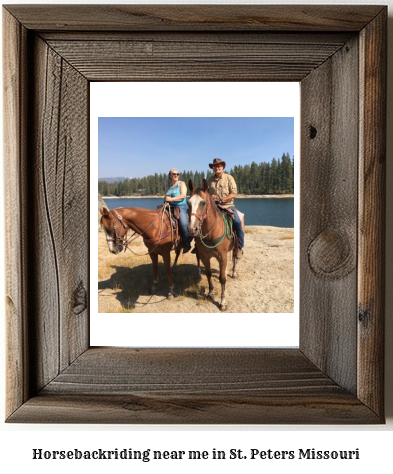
x=154 y=227
x=213 y=236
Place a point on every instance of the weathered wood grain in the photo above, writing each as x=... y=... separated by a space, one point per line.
x=15 y=218
x=193 y=386
x=372 y=189
x=195 y=17
x=59 y=184
x=202 y=37
x=198 y=371
x=215 y=60
x=239 y=409
x=328 y=249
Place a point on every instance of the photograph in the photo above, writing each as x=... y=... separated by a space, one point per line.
x=196 y=214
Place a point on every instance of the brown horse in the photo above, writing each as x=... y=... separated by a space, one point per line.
x=154 y=227
x=213 y=236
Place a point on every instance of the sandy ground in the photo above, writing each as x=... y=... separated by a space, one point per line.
x=265 y=282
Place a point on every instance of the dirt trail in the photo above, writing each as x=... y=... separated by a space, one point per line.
x=265 y=282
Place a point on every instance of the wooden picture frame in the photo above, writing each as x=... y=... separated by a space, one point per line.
x=338 y=54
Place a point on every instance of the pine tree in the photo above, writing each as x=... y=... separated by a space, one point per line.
x=276 y=176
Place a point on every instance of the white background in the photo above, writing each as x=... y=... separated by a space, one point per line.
x=374 y=442
x=192 y=100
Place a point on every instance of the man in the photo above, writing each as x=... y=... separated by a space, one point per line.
x=223 y=189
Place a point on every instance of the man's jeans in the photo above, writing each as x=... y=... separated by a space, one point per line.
x=237 y=227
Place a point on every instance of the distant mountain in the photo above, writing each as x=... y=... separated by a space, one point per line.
x=115 y=180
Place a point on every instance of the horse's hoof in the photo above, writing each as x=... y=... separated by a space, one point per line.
x=170 y=296
x=209 y=296
x=234 y=275
x=223 y=307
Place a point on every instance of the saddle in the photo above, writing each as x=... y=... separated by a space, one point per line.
x=173 y=214
x=228 y=212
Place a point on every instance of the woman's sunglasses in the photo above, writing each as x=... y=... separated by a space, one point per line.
x=175 y=174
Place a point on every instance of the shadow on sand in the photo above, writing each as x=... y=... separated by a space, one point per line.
x=132 y=284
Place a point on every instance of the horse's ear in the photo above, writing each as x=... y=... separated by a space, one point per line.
x=191 y=186
x=204 y=185
x=104 y=211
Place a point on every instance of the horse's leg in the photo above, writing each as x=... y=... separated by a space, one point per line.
x=167 y=263
x=223 y=258
x=199 y=266
x=154 y=261
x=206 y=264
x=176 y=258
x=234 y=260
x=233 y=253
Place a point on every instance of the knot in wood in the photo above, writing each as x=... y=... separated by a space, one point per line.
x=313 y=132
x=331 y=255
x=363 y=316
x=80 y=299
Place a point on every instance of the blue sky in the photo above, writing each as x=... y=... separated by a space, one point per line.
x=137 y=147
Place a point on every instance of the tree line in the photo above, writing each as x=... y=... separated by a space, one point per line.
x=275 y=177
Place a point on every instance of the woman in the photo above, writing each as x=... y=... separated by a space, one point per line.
x=176 y=196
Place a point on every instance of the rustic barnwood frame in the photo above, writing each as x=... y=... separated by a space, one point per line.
x=338 y=54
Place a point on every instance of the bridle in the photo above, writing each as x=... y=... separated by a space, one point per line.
x=117 y=240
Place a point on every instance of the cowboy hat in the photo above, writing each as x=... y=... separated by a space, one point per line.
x=217 y=161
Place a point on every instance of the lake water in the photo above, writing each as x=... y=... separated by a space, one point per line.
x=276 y=212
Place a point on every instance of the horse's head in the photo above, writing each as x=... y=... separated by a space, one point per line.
x=198 y=206
x=115 y=230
